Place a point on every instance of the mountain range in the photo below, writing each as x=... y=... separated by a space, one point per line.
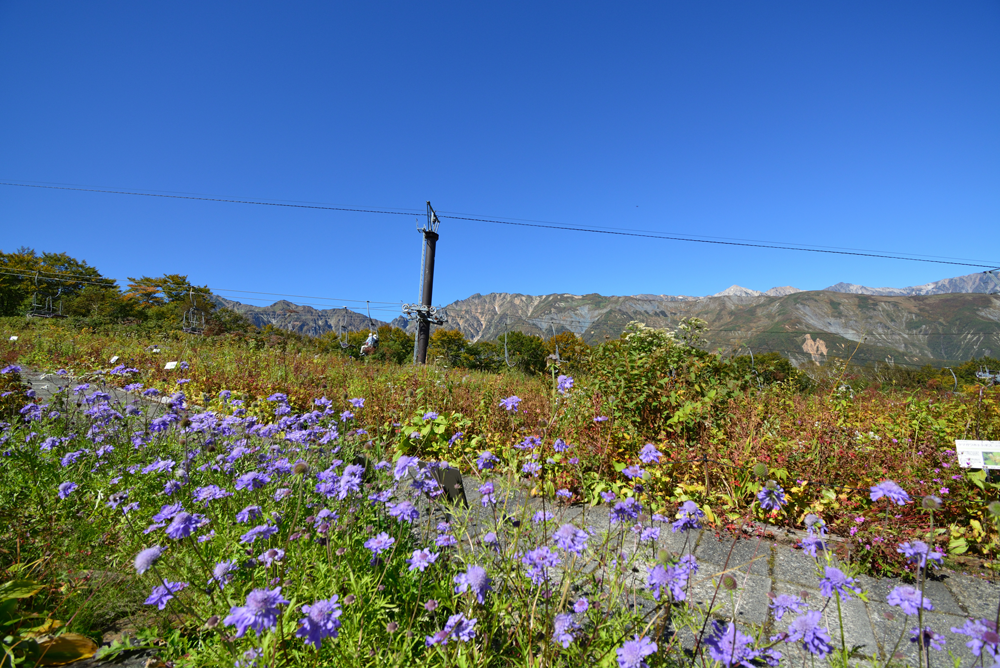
x=940 y=323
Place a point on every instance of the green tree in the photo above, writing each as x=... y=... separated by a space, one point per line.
x=525 y=351
x=27 y=277
x=447 y=346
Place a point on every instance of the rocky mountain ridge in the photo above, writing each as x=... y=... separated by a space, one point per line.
x=943 y=322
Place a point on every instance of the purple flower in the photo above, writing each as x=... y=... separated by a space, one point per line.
x=210 y=493
x=66 y=488
x=511 y=404
x=564 y=494
x=563 y=628
x=404 y=511
x=357 y=403
x=346 y=415
x=350 y=482
x=403 y=464
x=673 y=577
x=260 y=612
x=457 y=628
x=421 y=559
x=909 y=599
x=929 y=638
x=688 y=517
x=569 y=538
x=263 y=531
x=252 y=480
x=445 y=540
x=649 y=454
x=167 y=512
x=561 y=445
x=430 y=415
x=608 y=497
x=486 y=460
x=278 y=396
x=380 y=543
x=815 y=638
x=983 y=635
x=601 y=418
x=542 y=516
x=320 y=621
x=564 y=384
x=626 y=511
x=785 y=603
x=836 y=581
x=730 y=647
x=891 y=491
x=812 y=543
x=222 y=573
x=633 y=472
x=247 y=514
x=650 y=535
x=538 y=562
x=475 y=580
x=918 y=552
x=183 y=525
x=270 y=556
x=455 y=437
x=632 y=653
x=145 y=559
x=771 y=496
x=532 y=468
x=581 y=606
x=528 y=443
x=163 y=593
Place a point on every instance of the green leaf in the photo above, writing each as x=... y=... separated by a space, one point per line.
x=958 y=546
x=19 y=589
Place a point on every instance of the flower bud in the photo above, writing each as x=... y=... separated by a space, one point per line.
x=930 y=502
x=728 y=582
x=300 y=468
x=760 y=470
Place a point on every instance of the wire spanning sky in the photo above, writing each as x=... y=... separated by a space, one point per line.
x=850 y=126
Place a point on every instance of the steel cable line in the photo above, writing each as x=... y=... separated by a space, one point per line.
x=717 y=242
x=617 y=232
x=210 y=199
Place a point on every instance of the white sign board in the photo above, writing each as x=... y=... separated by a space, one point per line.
x=978 y=454
x=113 y=359
x=170 y=365
x=13 y=338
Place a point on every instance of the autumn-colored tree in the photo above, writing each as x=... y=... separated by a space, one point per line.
x=169 y=288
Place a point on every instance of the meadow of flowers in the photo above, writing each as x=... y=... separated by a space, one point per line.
x=320 y=535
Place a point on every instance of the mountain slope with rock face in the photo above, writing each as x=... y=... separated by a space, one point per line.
x=935 y=323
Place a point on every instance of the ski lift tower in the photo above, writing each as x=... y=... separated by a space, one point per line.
x=425 y=313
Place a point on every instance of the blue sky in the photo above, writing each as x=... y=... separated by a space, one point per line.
x=860 y=125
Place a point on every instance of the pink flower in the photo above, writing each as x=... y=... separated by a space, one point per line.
x=854 y=530
x=859 y=520
x=944 y=490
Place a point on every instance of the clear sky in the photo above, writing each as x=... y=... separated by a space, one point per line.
x=849 y=124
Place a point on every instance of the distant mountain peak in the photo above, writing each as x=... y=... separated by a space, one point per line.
x=738 y=291
x=782 y=291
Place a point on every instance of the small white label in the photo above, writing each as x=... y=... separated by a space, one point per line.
x=13 y=338
x=978 y=454
x=113 y=359
x=170 y=365
x=156 y=350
